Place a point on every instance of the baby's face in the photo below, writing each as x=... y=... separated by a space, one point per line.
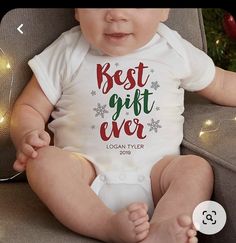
x=117 y=32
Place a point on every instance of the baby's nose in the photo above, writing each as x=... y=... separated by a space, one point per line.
x=116 y=14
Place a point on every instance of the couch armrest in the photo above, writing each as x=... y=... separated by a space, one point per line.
x=217 y=145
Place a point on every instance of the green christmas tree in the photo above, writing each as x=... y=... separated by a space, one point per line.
x=221 y=48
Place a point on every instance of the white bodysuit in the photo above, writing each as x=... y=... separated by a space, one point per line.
x=121 y=113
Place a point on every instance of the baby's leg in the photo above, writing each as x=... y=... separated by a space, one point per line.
x=62 y=181
x=179 y=184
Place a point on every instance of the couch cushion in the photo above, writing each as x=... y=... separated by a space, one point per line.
x=217 y=140
x=25 y=219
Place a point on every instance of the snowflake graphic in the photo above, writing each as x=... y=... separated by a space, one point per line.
x=93 y=127
x=152 y=70
x=93 y=93
x=157 y=108
x=100 y=110
x=155 y=85
x=154 y=125
x=117 y=64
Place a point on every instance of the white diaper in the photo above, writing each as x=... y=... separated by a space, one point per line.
x=119 y=189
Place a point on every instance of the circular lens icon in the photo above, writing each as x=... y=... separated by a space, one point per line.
x=209 y=217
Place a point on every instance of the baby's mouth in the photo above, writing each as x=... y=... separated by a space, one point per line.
x=117 y=36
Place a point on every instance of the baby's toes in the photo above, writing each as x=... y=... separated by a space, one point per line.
x=184 y=220
x=135 y=206
x=141 y=220
x=191 y=233
x=141 y=236
x=142 y=227
x=193 y=240
x=137 y=214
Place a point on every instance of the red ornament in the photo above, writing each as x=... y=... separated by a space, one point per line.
x=230 y=25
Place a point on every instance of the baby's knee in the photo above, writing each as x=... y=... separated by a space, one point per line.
x=41 y=162
x=199 y=165
x=198 y=161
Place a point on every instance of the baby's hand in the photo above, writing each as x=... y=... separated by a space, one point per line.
x=28 y=148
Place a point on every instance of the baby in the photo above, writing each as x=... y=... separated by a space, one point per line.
x=114 y=87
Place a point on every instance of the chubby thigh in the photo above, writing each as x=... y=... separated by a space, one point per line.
x=178 y=168
x=53 y=161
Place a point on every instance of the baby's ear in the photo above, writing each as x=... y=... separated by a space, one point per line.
x=77 y=14
x=165 y=14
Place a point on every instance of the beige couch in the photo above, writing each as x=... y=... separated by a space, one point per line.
x=23 y=218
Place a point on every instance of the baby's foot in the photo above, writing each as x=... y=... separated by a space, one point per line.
x=177 y=230
x=130 y=225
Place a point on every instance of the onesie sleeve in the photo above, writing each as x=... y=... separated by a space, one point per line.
x=201 y=68
x=49 y=68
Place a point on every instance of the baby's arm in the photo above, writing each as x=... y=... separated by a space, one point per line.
x=223 y=88
x=27 y=128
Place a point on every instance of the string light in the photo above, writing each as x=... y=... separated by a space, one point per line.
x=1 y=118
x=208 y=123
x=10 y=178
x=4 y=64
x=5 y=67
x=8 y=66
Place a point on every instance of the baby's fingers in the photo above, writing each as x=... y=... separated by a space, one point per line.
x=18 y=166
x=21 y=157
x=28 y=151
x=45 y=137
x=35 y=141
x=20 y=163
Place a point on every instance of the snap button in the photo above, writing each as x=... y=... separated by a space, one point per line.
x=141 y=178
x=102 y=178
x=122 y=176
